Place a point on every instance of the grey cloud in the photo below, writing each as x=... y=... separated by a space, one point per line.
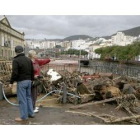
x=45 y=26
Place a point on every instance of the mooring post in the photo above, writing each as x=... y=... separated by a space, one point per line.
x=64 y=94
x=1 y=94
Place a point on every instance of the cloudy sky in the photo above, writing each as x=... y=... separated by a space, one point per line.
x=50 y=27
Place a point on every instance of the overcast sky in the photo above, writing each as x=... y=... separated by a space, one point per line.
x=50 y=27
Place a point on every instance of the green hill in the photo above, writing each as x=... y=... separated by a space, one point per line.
x=77 y=37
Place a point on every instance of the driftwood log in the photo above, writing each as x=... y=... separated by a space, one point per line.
x=106 y=118
x=99 y=102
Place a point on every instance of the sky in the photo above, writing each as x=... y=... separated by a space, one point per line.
x=61 y=26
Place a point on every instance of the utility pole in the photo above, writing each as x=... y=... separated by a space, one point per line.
x=79 y=57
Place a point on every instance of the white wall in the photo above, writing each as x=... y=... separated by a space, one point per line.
x=121 y=39
x=92 y=53
x=77 y=43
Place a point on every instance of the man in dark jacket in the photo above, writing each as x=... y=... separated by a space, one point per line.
x=23 y=73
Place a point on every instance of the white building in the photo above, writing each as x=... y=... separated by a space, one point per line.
x=48 y=44
x=59 y=43
x=66 y=44
x=81 y=44
x=77 y=43
x=33 y=44
x=92 y=53
x=121 y=39
x=106 y=43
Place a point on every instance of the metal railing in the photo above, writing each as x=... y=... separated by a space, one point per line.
x=96 y=67
x=115 y=69
x=121 y=70
x=58 y=67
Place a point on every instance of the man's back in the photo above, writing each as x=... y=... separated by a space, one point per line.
x=22 y=68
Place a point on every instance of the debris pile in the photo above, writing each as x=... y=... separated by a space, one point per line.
x=5 y=74
x=124 y=91
x=95 y=87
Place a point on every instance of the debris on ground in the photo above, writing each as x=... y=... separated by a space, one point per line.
x=88 y=89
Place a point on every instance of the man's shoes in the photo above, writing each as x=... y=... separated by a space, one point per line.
x=37 y=108
x=20 y=120
x=31 y=116
x=36 y=111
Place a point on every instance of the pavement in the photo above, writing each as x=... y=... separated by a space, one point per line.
x=53 y=113
x=50 y=113
x=46 y=116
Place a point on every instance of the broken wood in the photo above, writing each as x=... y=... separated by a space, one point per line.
x=125 y=119
x=106 y=118
x=85 y=98
x=102 y=117
x=112 y=119
x=80 y=113
x=99 y=102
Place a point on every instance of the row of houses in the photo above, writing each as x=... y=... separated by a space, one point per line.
x=9 y=38
x=118 y=39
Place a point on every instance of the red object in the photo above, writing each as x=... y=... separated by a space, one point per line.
x=37 y=63
x=85 y=77
x=90 y=76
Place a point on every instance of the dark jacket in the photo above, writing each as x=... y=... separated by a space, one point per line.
x=22 y=69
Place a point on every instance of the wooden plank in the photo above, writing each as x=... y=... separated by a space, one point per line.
x=125 y=119
x=111 y=119
x=98 y=102
x=95 y=102
x=93 y=114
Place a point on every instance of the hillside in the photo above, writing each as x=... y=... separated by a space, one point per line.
x=76 y=37
x=132 y=32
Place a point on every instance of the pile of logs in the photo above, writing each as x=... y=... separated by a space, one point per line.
x=92 y=87
x=5 y=74
x=5 y=67
x=99 y=88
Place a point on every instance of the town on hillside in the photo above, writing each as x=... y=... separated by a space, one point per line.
x=77 y=80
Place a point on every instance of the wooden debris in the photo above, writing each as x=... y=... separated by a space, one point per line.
x=99 y=102
x=82 y=89
x=122 y=119
x=85 y=98
x=106 y=118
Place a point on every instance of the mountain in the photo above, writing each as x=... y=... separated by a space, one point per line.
x=77 y=37
x=132 y=32
x=106 y=37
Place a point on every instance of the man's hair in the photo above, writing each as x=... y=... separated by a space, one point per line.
x=31 y=53
x=19 y=49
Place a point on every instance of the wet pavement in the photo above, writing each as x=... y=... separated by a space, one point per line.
x=46 y=116
x=50 y=113
x=53 y=113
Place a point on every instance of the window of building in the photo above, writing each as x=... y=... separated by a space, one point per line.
x=12 y=43
x=9 y=53
x=2 y=40
x=2 y=52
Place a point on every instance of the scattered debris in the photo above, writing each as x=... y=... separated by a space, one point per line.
x=108 y=119
x=93 y=89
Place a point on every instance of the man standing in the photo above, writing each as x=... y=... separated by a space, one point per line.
x=23 y=73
